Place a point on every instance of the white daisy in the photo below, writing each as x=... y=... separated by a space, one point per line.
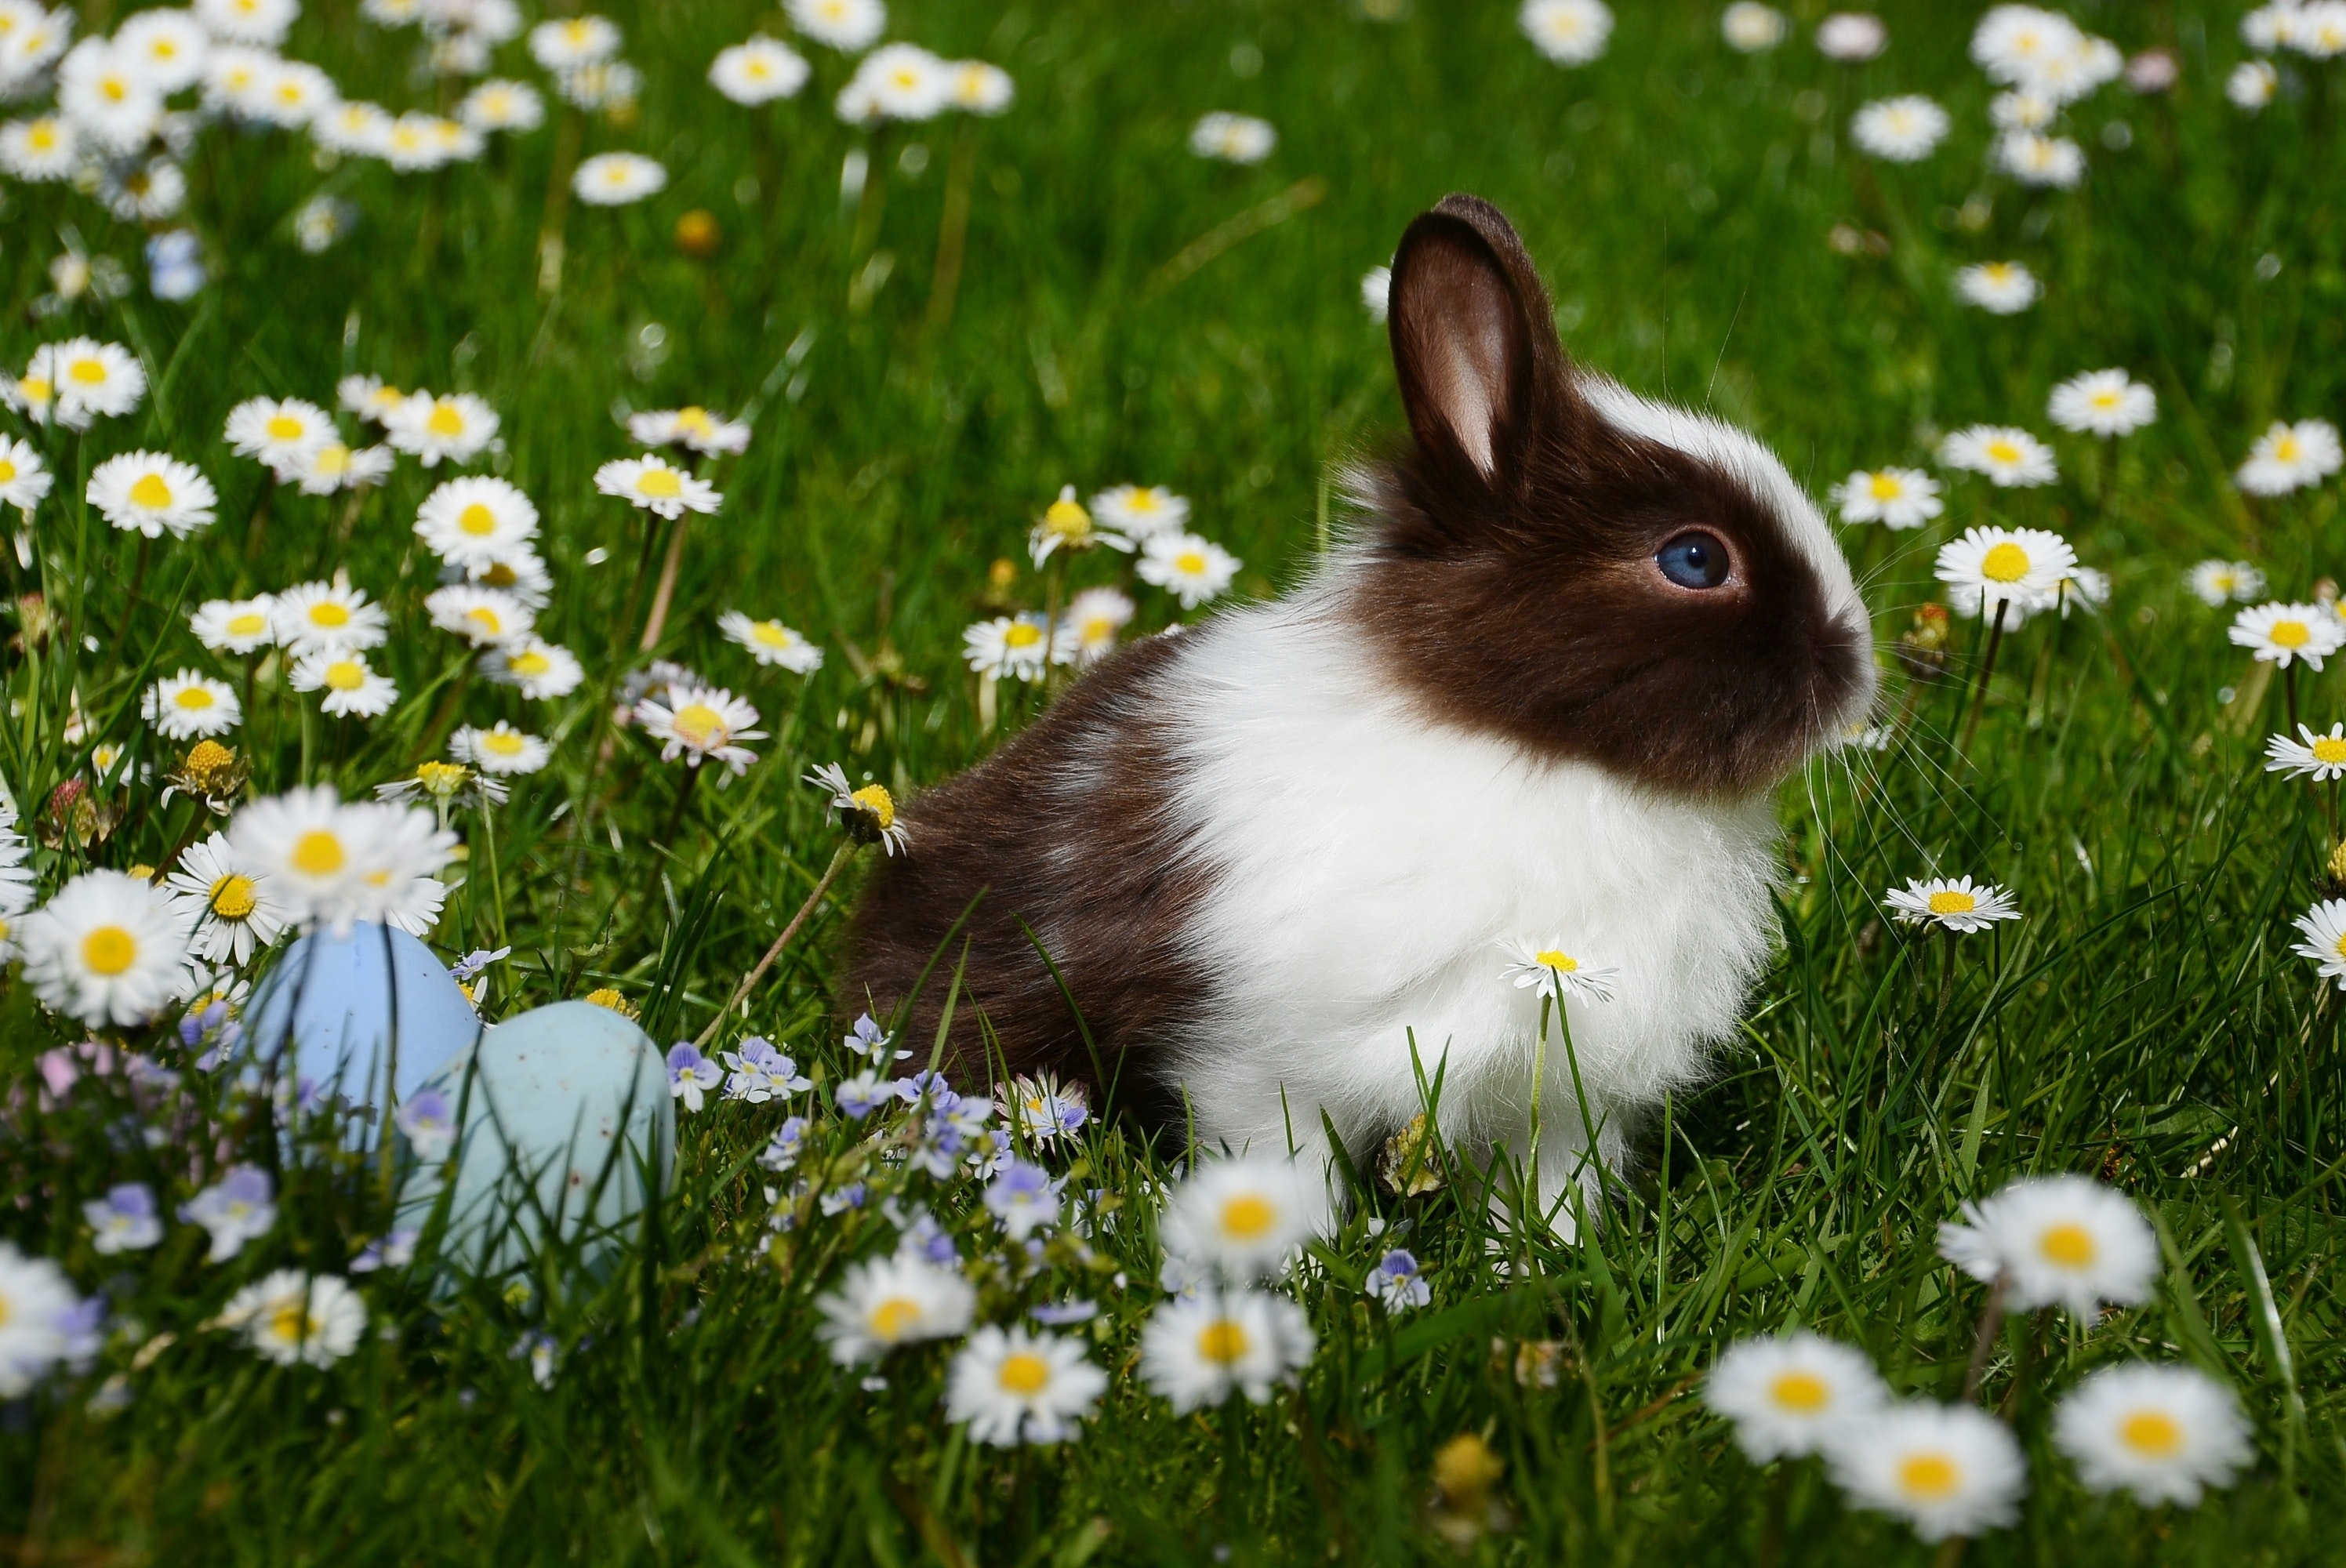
x=292 y=94
x=2021 y=111
x=144 y=193
x=1094 y=618
x=25 y=479
x=850 y=27
x=233 y=626
x=1904 y=130
x=2252 y=85
x=295 y=1319
x=109 y=949
x=700 y=724
x=898 y=82
x=107 y=97
x=484 y=617
x=188 y=706
x=151 y=492
x=1191 y=569
x=657 y=487
x=89 y=379
x=1245 y=1215
x=884 y=1302
x=1232 y=138
x=617 y=178
x=575 y=41
x=1195 y=1351
x=500 y=749
x=1569 y=31
x=2289 y=457
x=1751 y=28
x=280 y=433
x=368 y=397
x=397 y=887
x=1139 y=511
x=1376 y=293
x=1946 y=1470
x=771 y=643
x=2222 y=582
x=1016 y=1386
x=2321 y=758
x=2324 y=927
x=691 y=426
x=1894 y=497
x=868 y=815
x=2285 y=634
x=521 y=574
x=476 y=521
x=2163 y=1433
x=1851 y=36
x=36 y=1298
x=2103 y=402
x=976 y=87
x=2013 y=42
x=2014 y=572
x=1999 y=288
x=1557 y=973
x=502 y=106
x=312 y=849
x=541 y=669
x=358 y=130
x=2006 y=455
x=1788 y=1393
x=262 y=22
x=2319 y=32
x=1011 y=647
x=2058 y=1240
x=1065 y=524
x=331 y=466
x=452 y=426
x=232 y=908
x=236 y=80
x=42 y=149
x=1957 y=905
x=2272 y=26
x=758 y=71
x=352 y=688
x=2035 y=158
x=326 y=617
x=601 y=89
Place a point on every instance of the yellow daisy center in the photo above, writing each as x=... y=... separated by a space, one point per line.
x=695 y=419
x=1929 y=1476
x=503 y=742
x=530 y=663
x=1222 y=1341
x=2152 y=1432
x=151 y=492
x=2287 y=449
x=485 y=618
x=477 y=520
x=232 y=896
x=445 y=420
x=2290 y=633
x=36 y=389
x=109 y=950
x=332 y=460
x=250 y=624
x=42 y=135
x=1099 y=629
x=773 y=634
x=7 y=471
x=284 y=427
x=346 y=674
x=442 y=778
x=88 y=371
x=2002 y=452
x=1561 y=963
x=756 y=68
x=2007 y=562
x=1803 y=1391
x=2106 y=398
x=1024 y=1374
x=1885 y=487
x=875 y=798
x=327 y=613
x=660 y=481
x=115 y=88
x=2069 y=1246
x=1068 y=519
x=894 y=1317
x=2338 y=947
x=1248 y=1216
x=1951 y=902
x=2330 y=749
x=1190 y=564
x=292 y=1323
x=1022 y=634
x=194 y=698
x=697 y=724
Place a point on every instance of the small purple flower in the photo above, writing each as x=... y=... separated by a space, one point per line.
x=473 y=963
x=1023 y=1199
x=394 y=1251
x=839 y=1201
x=991 y=1152
x=1059 y=1314
x=761 y=1074
x=82 y=1326
x=1396 y=1282
x=430 y=1123
x=125 y=1220
x=690 y=1075
x=239 y=1207
x=871 y=1042
x=865 y=1092
x=781 y=1151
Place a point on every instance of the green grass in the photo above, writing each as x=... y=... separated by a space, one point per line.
x=2144 y=1021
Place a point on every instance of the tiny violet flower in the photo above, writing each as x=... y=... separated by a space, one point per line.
x=125 y=1220
x=781 y=1151
x=761 y=1074
x=396 y=1250
x=239 y=1207
x=1060 y=1314
x=1397 y=1283
x=429 y=1123
x=473 y=963
x=871 y=1042
x=537 y=1348
x=690 y=1075
x=865 y=1092
x=839 y=1201
x=1024 y=1199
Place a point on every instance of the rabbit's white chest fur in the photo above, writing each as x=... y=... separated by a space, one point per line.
x=1367 y=866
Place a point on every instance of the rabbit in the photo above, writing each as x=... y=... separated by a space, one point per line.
x=1543 y=690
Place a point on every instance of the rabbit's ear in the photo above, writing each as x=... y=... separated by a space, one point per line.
x=1474 y=344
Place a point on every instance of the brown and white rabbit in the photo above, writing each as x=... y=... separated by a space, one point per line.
x=1547 y=690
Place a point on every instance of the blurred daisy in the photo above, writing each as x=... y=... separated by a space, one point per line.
x=368 y=397
x=500 y=749
x=124 y=1220
x=232 y=910
x=147 y=192
x=691 y=426
x=2103 y=403
x=656 y=486
x=109 y=949
x=1900 y=130
x=453 y=425
x=1788 y=1394
x=89 y=379
x=261 y=23
x=1138 y=511
x=885 y=1302
x=1569 y=31
x=1750 y=28
x=758 y=71
x=1094 y=618
x=1851 y=36
x=296 y=1319
x=1376 y=293
x=1009 y=647
x=617 y=178
x=1946 y=1470
x=232 y=625
x=2006 y=455
x=1555 y=973
x=309 y=847
x=107 y=97
x=1245 y=1215
x=850 y=27
x=2290 y=457
x=701 y=724
x=1999 y=288
x=2285 y=634
x=187 y=706
x=897 y=82
x=2252 y=85
x=868 y=815
x=977 y=87
x=2021 y=111
x=292 y=94
x=771 y=643
x=2221 y=582
x=352 y=688
x=606 y=87
x=1957 y=905
x=2319 y=32
x=484 y=617
x=235 y=80
x=1398 y=1283
x=476 y=521
x=1195 y=1351
x=542 y=671
x=564 y=44
x=396 y=885
x=25 y=480
x=2325 y=926
x=521 y=573
x=2019 y=571
x=1894 y=497
x=2035 y=158
x=39 y=149
x=2058 y=1240
x=2163 y=1433
x=1012 y=1387
x=313 y=617
x=2272 y=26
x=1064 y=525
x=1232 y=138
x=2013 y=42
x=36 y=1303
x=2084 y=585
x=445 y=787
x=1191 y=569
x=279 y=432
x=500 y=105
x=2321 y=758
x=149 y=493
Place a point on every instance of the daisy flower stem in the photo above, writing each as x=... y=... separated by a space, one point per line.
x=1946 y=968
x=309 y=741
x=256 y=525
x=557 y=200
x=657 y=622
x=1987 y=675
x=1991 y=1326
x=868 y=207
x=1772 y=1522
x=953 y=227
x=347 y=523
x=839 y=858
x=2288 y=694
x=683 y=800
x=1054 y=594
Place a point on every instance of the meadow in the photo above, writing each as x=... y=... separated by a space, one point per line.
x=929 y=326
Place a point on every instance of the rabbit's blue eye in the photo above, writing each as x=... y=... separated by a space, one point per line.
x=1693 y=559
